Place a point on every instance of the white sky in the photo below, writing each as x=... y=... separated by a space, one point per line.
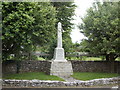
x=82 y=6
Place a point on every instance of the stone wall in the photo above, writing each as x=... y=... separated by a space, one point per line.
x=44 y=66
x=9 y=67
x=96 y=66
x=48 y=83
x=25 y=66
x=34 y=66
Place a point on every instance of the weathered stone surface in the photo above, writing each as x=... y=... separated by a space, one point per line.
x=95 y=66
x=61 y=68
x=59 y=55
x=47 y=83
x=59 y=35
x=26 y=66
x=44 y=66
x=59 y=51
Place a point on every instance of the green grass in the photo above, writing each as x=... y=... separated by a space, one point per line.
x=117 y=59
x=93 y=59
x=32 y=75
x=42 y=76
x=84 y=58
x=40 y=58
x=89 y=75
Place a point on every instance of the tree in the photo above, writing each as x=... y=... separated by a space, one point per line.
x=65 y=13
x=26 y=25
x=100 y=26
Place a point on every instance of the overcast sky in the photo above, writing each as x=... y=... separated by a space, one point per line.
x=82 y=6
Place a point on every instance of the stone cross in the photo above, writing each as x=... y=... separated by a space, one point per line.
x=60 y=66
x=59 y=36
x=59 y=51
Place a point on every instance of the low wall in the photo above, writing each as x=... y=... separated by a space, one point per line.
x=25 y=66
x=96 y=66
x=44 y=66
x=42 y=83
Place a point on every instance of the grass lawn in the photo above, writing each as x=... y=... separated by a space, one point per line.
x=89 y=75
x=84 y=58
x=32 y=75
x=93 y=59
x=40 y=58
x=42 y=76
x=117 y=59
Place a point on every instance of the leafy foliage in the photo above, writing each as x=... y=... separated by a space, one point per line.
x=26 y=25
x=65 y=11
x=100 y=26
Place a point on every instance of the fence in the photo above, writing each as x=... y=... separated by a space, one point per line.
x=83 y=56
x=68 y=55
x=32 y=55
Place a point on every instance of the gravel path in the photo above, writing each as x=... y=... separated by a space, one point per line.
x=70 y=79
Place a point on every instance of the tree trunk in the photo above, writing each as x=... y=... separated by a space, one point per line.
x=111 y=57
x=107 y=57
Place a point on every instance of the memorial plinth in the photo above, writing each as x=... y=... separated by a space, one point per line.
x=59 y=55
x=61 y=69
x=60 y=66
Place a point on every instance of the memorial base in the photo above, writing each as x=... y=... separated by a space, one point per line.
x=61 y=68
x=59 y=55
